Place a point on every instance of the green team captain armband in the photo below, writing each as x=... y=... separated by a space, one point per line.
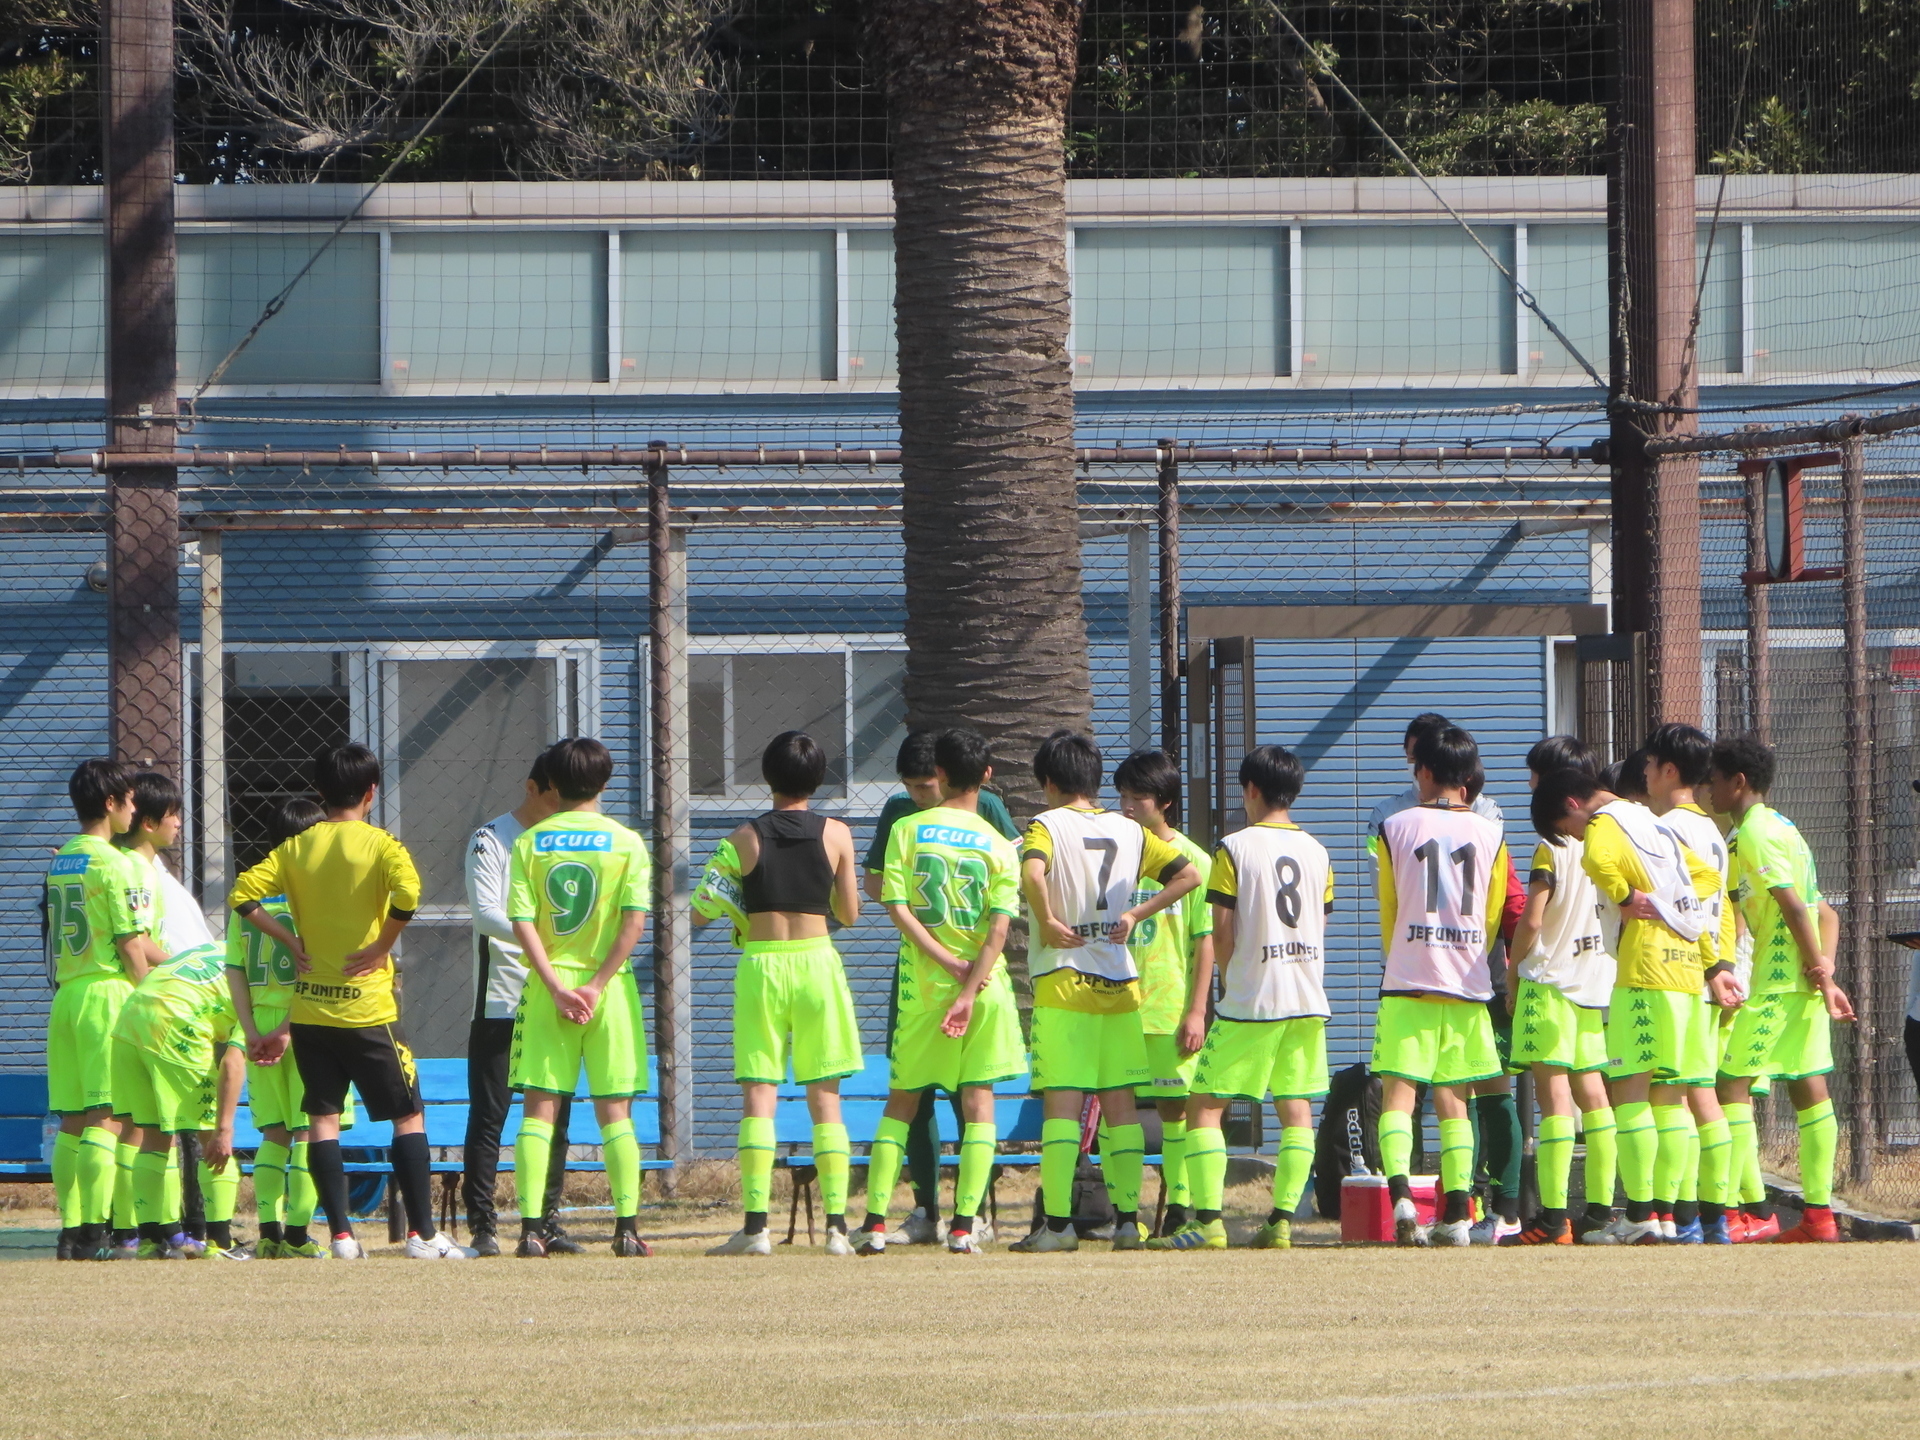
x=719 y=895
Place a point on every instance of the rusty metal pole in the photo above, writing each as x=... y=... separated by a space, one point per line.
x=1169 y=516
x=1759 y=662
x=672 y=938
x=144 y=714
x=1863 y=899
x=1650 y=246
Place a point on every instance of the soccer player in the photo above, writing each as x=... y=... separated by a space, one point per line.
x=157 y=817
x=99 y=927
x=1785 y=1028
x=261 y=974
x=500 y=976
x=1442 y=877
x=579 y=890
x=1080 y=864
x=1678 y=761
x=1665 y=948
x=1271 y=889
x=1558 y=990
x=352 y=889
x=177 y=1069
x=952 y=887
x=921 y=791
x=1174 y=953
x=778 y=878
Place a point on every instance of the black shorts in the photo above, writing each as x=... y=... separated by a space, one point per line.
x=371 y=1058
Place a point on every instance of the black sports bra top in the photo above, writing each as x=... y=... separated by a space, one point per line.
x=794 y=874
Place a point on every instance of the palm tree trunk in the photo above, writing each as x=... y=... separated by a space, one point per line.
x=996 y=636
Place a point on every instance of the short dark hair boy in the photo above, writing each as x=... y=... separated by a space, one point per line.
x=1070 y=761
x=1275 y=772
x=1449 y=754
x=793 y=764
x=579 y=768
x=344 y=775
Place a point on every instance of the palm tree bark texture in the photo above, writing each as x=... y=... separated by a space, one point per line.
x=977 y=94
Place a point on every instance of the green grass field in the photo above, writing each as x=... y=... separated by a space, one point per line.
x=1751 y=1342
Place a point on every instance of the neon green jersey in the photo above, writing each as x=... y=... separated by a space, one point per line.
x=575 y=877
x=96 y=894
x=955 y=872
x=182 y=1012
x=1162 y=945
x=1765 y=852
x=267 y=964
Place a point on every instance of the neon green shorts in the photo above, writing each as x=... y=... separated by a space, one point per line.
x=790 y=1000
x=1249 y=1059
x=1787 y=1034
x=79 y=1052
x=1662 y=1033
x=1170 y=1074
x=1549 y=1029
x=989 y=1052
x=274 y=1092
x=549 y=1050
x=1434 y=1042
x=1075 y=1050
x=156 y=1094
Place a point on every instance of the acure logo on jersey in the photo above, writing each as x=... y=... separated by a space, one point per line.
x=948 y=835
x=572 y=840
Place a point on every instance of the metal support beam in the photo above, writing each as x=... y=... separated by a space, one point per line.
x=1170 y=736
x=1759 y=611
x=672 y=937
x=1862 y=941
x=143 y=533
x=215 y=867
x=1139 y=638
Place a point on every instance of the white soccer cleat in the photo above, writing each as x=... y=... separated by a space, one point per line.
x=741 y=1243
x=872 y=1242
x=1452 y=1234
x=963 y=1242
x=438 y=1248
x=1638 y=1232
x=983 y=1231
x=1493 y=1229
x=920 y=1230
x=838 y=1243
x=345 y=1247
x=1669 y=1231
x=1407 y=1229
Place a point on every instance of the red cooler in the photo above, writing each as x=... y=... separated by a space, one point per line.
x=1366 y=1210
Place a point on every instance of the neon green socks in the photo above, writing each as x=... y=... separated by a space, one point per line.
x=1291 y=1165
x=532 y=1153
x=1639 y=1143
x=1819 y=1137
x=221 y=1191
x=1603 y=1157
x=1122 y=1164
x=123 y=1154
x=620 y=1153
x=66 y=1178
x=978 y=1144
x=1456 y=1154
x=1715 y=1149
x=95 y=1172
x=1744 y=1185
x=1673 y=1125
x=1173 y=1161
x=1553 y=1159
x=1396 y=1142
x=270 y=1181
x=832 y=1162
x=303 y=1197
x=150 y=1188
x=1206 y=1169
x=883 y=1165
x=756 y=1164
x=1059 y=1158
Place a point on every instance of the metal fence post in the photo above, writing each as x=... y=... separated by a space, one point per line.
x=672 y=938
x=1169 y=516
x=1139 y=639
x=214 y=868
x=1759 y=663
x=1863 y=921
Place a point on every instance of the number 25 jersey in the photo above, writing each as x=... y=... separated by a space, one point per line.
x=1443 y=886
x=1279 y=884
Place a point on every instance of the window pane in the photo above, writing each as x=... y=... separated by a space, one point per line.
x=1406 y=300
x=329 y=332
x=283 y=707
x=720 y=305
x=52 y=310
x=774 y=693
x=871 y=353
x=707 y=723
x=1567 y=272
x=1179 y=301
x=879 y=712
x=513 y=306
x=1719 y=281
x=1836 y=298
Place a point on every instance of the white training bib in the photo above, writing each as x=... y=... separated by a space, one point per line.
x=1574 y=954
x=1090 y=880
x=1443 y=860
x=1661 y=851
x=1278 y=967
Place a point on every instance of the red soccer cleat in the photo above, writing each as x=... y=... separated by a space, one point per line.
x=1753 y=1228
x=1816 y=1227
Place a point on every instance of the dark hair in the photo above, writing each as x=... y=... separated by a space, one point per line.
x=579 y=768
x=154 y=798
x=1071 y=761
x=964 y=754
x=1556 y=790
x=1448 y=754
x=290 y=817
x=1628 y=776
x=344 y=774
x=1150 y=772
x=95 y=784
x=1746 y=755
x=1275 y=772
x=1686 y=749
x=916 y=758
x=1476 y=782
x=1562 y=752
x=1427 y=723
x=540 y=772
x=793 y=764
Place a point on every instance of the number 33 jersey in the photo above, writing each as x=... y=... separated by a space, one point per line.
x=575 y=876
x=1443 y=886
x=1279 y=884
x=955 y=872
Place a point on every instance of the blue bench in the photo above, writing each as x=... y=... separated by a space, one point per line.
x=23 y=1118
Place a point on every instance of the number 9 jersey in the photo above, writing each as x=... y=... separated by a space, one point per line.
x=573 y=877
x=1278 y=882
